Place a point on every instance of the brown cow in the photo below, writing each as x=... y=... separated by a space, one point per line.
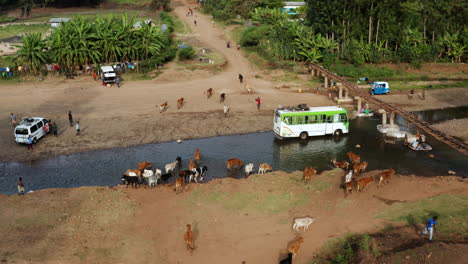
x=350 y=186
x=197 y=154
x=340 y=164
x=360 y=167
x=308 y=173
x=354 y=158
x=385 y=176
x=191 y=165
x=209 y=93
x=188 y=237
x=234 y=162
x=179 y=184
x=137 y=172
x=180 y=103
x=362 y=183
x=144 y=165
x=264 y=167
x=294 y=247
x=163 y=107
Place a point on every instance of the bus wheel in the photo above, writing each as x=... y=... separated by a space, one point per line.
x=303 y=135
x=338 y=133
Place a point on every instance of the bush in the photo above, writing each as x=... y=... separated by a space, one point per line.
x=167 y=19
x=253 y=35
x=186 y=53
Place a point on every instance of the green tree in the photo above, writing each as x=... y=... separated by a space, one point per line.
x=32 y=52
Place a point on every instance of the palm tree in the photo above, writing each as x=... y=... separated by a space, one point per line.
x=32 y=52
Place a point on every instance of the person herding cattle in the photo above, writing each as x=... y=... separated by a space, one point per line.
x=222 y=97
x=258 y=102
x=70 y=118
x=241 y=78
x=13 y=120
x=430 y=226
x=77 y=128
x=180 y=102
x=20 y=186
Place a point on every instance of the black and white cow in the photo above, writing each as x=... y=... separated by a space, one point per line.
x=130 y=180
x=198 y=173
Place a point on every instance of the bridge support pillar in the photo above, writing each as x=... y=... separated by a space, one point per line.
x=346 y=94
x=392 y=119
x=340 y=92
x=359 y=103
x=313 y=72
x=325 y=84
x=384 y=117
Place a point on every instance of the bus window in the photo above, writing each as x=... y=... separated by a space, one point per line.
x=330 y=119
x=297 y=120
x=343 y=118
x=322 y=119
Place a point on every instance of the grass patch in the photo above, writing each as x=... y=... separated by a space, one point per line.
x=129 y=2
x=15 y=30
x=180 y=26
x=452 y=211
x=136 y=76
x=369 y=71
x=407 y=86
x=6 y=61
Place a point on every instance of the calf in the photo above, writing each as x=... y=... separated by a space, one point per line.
x=130 y=180
x=264 y=167
x=385 y=176
x=340 y=164
x=362 y=183
x=294 y=247
x=350 y=186
x=249 y=169
x=222 y=97
x=234 y=162
x=354 y=158
x=198 y=173
x=188 y=238
x=179 y=184
x=303 y=222
x=197 y=154
x=360 y=167
x=209 y=93
x=163 y=107
x=180 y=102
x=308 y=173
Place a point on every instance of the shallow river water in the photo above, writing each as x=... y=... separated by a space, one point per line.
x=105 y=167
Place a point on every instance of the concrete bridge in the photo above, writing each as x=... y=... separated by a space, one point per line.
x=360 y=94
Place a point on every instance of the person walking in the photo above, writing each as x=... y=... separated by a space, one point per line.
x=95 y=76
x=77 y=127
x=430 y=225
x=70 y=118
x=20 y=186
x=30 y=143
x=241 y=78
x=258 y=102
x=55 y=129
x=117 y=81
x=13 y=119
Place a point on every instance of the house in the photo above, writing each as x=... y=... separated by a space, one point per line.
x=138 y=24
x=290 y=7
x=57 y=21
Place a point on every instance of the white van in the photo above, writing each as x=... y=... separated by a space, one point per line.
x=108 y=74
x=30 y=126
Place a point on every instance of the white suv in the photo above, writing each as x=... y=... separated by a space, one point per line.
x=30 y=126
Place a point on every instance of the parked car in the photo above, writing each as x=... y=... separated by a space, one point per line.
x=380 y=88
x=108 y=74
x=30 y=126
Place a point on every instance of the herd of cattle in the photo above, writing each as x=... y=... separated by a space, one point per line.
x=145 y=174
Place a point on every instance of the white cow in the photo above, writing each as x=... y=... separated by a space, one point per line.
x=157 y=172
x=171 y=166
x=147 y=173
x=303 y=222
x=153 y=180
x=249 y=168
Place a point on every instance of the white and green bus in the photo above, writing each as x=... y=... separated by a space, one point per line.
x=310 y=121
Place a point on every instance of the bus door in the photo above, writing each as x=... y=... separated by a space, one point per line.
x=329 y=121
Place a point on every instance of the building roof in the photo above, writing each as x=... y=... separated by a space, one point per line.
x=59 y=19
x=294 y=3
x=138 y=24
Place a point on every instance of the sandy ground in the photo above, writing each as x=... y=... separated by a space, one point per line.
x=112 y=117
x=234 y=220
x=455 y=127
